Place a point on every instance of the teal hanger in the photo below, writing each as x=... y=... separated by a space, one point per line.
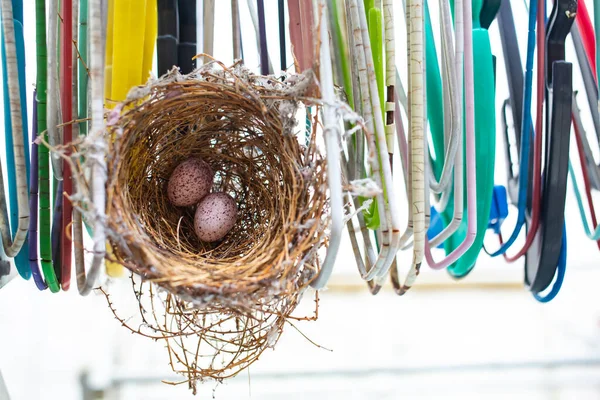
x=22 y=258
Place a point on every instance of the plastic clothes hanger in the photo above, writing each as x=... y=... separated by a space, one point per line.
x=488 y=12
x=331 y=133
x=262 y=38
x=208 y=28
x=186 y=49
x=168 y=35
x=485 y=152
x=85 y=283
x=591 y=94
x=586 y=66
x=176 y=41
x=33 y=206
x=453 y=122
x=415 y=23
x=514 y=72
x=235 y=30
x=256 y=23
x=543 y=256
x=534 y=209
x=16 y=151
x=82 y=72
x=56 y=233
x=66 y=77
x=52 y=95
x=525 y=134
x=579 y=136
x=443 y=164
x=301 y=28
x=21 y=258
x=137 y=20
x=45 y=211
x=560 y=273
x=451 y=115
x=372 y=113
x=597 y=33
x=282 y=47
x=585 y=27
x=471 y=185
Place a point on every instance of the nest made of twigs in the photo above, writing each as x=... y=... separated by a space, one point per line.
x=243 y=126
x=217 y=305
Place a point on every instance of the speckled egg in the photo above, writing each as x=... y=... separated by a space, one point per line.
x=215 y=216
x=190 y=182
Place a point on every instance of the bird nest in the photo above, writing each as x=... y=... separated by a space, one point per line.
x=235 y=294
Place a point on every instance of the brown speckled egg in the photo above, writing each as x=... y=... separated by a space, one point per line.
x=215 y=216
x=190 y=182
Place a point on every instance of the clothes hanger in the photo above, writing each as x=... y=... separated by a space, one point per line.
x=451 y=115
x=471 y=185
x=66 y=78
x=301 y=27
x=355 y=147
x=34 y=264
x=13 y=55
x=489 y=11
x=168 y=35
x=533 y=214
x=45 y=211
x=6 y=271
x=262 y=38
x=585 y=27
x=484 y=151
x=86 y=283
x=415 y=24
x=579 y=136
x=77 y=218
x=371 y=110
x=137 y=20
x=53 y=102
x=526 y=127
x=331 y=133
x=56 y=232
x=597 y=34
x=208 y=25
x=176 y=41
x=514 y=72
x=585 y=155
x=582 y=35
x=560 y=273
x=542 y=258
x=591 y=94
x=21 y=258
x=282 y=47
x=186 y=49
x=235 y=28
x=443 y=164
x=452 y=92
x=82 y=71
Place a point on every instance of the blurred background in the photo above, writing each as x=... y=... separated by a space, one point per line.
x=481 y=337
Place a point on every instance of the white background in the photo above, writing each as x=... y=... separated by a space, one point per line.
x=423 y=340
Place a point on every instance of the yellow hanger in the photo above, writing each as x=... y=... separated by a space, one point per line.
x=131 y=37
